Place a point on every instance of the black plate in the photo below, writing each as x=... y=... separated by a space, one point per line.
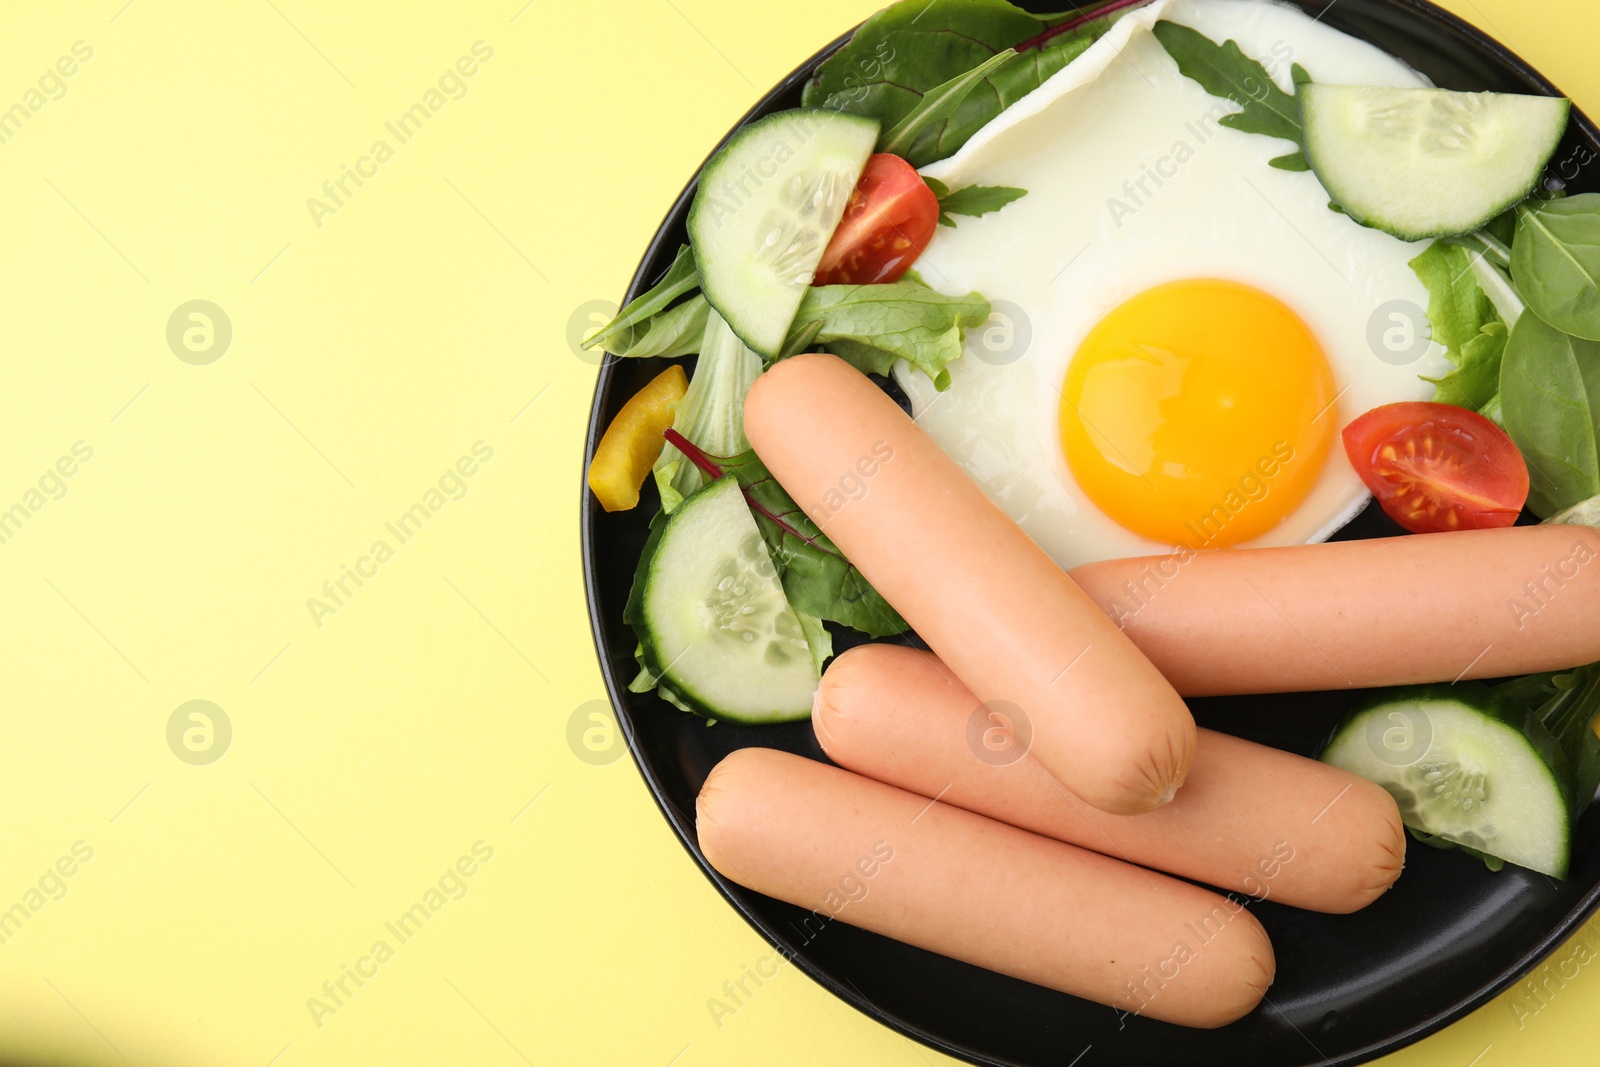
x=1444 y=941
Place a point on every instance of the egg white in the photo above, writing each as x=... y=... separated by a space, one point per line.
x=1057 y=260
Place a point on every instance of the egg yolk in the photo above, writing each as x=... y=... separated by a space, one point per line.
x=1198 y=413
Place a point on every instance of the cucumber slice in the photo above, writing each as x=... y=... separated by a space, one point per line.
x=764 y=212
x=1466 y=767
x=1427 y=162
x=712 y=619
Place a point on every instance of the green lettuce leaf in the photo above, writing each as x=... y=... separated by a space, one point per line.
x=1457 y=306
x=1462 y=319
x=1475 y=379
x=711 y=413
x=871 y=326
x=674 y=332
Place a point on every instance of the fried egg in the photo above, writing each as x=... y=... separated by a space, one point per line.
x=1180 y=330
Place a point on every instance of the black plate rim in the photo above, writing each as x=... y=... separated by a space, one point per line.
x=682 y=824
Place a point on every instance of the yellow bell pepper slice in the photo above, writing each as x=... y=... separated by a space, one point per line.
x=633 y=442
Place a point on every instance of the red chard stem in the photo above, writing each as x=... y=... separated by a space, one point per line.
x=1071 y=24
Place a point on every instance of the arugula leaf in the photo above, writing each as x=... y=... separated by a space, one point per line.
x=871 y=326
x=1550 y=401
x=938 y=105
x=1555 y=261
x=681 y=277
x=908 y=49
x=674 y=332
x=1224 y=70
x=816 y=576
x=972 y=200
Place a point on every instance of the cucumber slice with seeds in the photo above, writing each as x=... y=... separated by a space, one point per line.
x=1466 y=767
x=1422 y=163
x=765 y=210
x=712 y=619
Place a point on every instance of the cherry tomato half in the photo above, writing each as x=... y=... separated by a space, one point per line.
x=1436 y=467
x=889 y=221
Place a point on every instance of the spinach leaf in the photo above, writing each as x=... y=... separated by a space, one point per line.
x=915 y=46
x=1555 y=260
x=973 y=200
x=674 y=332
x=938 y=105
x=1550 y=400
x=680 y=278
x=1224 y=70
x=871 y=326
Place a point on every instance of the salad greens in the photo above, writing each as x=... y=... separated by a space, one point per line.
x=871 y=326
x=712 y=411
x=675 y=332
x=1518 y=359
x=680 y=278
x=1550 y=396
x=972 y=200
x=1497 y=287
x=1457 y=307
x=1567 y=703
x=1224 y=70
x=1555 y=261
x=938 y=105
x=817 y=578
x=909 y=50
x=1474 y=383
x=1464 y=321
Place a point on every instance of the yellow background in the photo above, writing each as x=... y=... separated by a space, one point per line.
x=430 y=311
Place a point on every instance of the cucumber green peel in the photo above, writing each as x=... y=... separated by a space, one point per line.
x=1468 y=768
